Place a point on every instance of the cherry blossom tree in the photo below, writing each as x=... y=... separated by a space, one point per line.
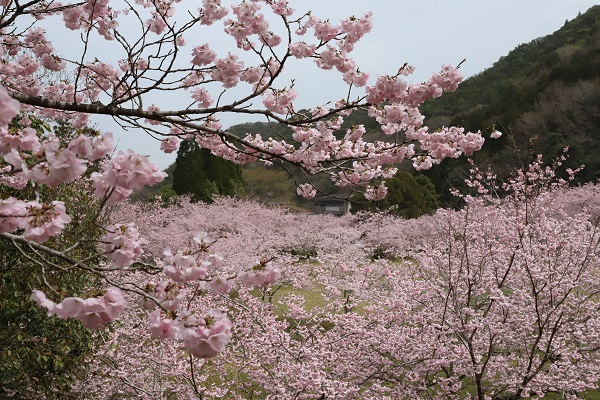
x=509 y=298
x=130 y=62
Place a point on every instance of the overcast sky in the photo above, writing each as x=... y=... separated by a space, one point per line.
x=426 y=34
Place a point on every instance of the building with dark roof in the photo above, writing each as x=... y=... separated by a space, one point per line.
x=331 y=205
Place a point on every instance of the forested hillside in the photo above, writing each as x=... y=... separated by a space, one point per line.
x=545 y=95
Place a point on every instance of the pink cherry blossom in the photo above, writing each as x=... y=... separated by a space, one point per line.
x=53 y=63
x=325 y=31
x=163 y=328
x=102 y=145
x=356 y=28
x=227 y=70
x=207 y=336
x=123 y=244
x=40 y=222
x=9 y=108
x=253 y=75
x=356 y=78
x=261 y=274
x=180 y=41
x=123 y=174
x=281 y=7
x=374 y=193
x=302 y=50
x=306 y=190
x=183 y=267
x=61 y=165
x=40 y=299
x=495 y=134
x=212 y=11
x=280 y=102
x=203 y=55
x=93 y=312
x=220 y=285
x=11 y=211
x=157 y=23
x=169 y=144
x=202 y=96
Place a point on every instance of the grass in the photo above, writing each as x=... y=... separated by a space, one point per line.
x=312 y=297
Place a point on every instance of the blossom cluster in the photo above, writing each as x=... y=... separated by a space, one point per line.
x=123 y=244
x=93 y=312
x=124 y=173
x=203 y=337
x=185 y=269
x=39 y=221
x=9 y=108
x=262 y=274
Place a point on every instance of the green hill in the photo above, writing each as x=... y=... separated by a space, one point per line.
x=544 y=95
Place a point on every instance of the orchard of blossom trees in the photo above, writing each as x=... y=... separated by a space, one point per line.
x=232 y=300
x=498 y=300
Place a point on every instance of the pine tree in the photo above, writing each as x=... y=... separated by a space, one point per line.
x=408 y=196
x=199 y=173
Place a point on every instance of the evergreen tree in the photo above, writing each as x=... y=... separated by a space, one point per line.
x=408 y=196
x=199 y=173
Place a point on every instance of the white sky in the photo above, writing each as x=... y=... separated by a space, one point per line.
x=426 y=34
